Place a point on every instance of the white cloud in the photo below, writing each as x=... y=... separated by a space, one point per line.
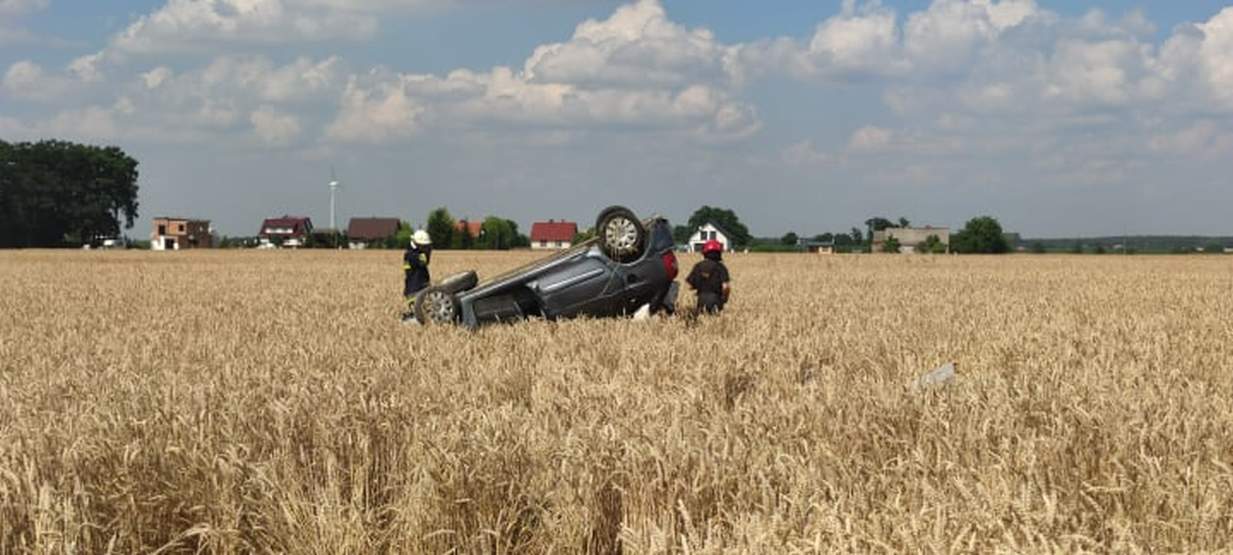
x=1216 y=55
x=10 y=10
x=870 y=138
x=86 y=68
x=637 y=45
x=634 y=70
x=156 y=77
x=18 y=7
x=28 y=81
x=196 y=24
x=273 y=127
x=947 y=35
x=1202 y=139
x=375 y=114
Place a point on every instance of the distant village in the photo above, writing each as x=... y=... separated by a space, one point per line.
x=298 y=232
x=881 y=236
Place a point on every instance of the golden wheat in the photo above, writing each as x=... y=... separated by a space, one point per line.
x=271 y=402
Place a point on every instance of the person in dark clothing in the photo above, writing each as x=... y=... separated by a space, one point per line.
x=710 y=279
x=415 y=269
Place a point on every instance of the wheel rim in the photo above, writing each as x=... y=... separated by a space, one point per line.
x=621 y=235
x=440 y=307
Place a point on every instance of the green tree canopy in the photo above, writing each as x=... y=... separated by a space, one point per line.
x=498 y=234
x=790 y=239
x=981 y=235
x=723 y=218
x=441 y=227
x=682 y=233
x=56 y=193
x=891 y=245
x=931 y=245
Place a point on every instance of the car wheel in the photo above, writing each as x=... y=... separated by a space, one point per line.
x=621 y=234
x=461 y=282
x=436 y=305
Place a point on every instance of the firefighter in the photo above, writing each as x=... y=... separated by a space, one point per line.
x=710 y=279
x=415 y=269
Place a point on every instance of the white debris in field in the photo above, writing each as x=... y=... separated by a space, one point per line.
x=941 y=375
x=643 y=313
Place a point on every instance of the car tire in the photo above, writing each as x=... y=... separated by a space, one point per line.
x=621 y=234
x=436 y=305
x=460 y=282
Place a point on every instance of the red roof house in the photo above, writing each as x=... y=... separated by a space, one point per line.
x=290 y=231
x=553 y=234
x=474 y=228
x=367 y=230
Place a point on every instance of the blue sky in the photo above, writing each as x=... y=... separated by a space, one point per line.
x=1059 y=118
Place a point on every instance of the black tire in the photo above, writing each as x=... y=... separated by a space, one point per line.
x=621 y=234
x=459 y=283
x=436 y=306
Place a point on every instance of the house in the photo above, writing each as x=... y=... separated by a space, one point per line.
x=287 y=231
x=473 y=228
x=707 y=232
x=362 y=232
x=553 y=234
x=173 y=234
x=910 y=237
x=820 y=247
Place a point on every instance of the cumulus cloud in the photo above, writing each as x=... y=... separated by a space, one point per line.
x=192 y=24
x=28 y=81
x=375 y=113
x=635 y=70
x=273 y=127
x=10 y=11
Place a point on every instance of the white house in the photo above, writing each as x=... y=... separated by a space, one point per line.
x=707 y=232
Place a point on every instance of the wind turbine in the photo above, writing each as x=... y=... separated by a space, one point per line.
x=334 y=187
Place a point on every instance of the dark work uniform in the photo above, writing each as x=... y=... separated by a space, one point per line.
x=708 y=278
x=415 y=269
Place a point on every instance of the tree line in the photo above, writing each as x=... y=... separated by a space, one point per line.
x=496 y=233
x=63 y=194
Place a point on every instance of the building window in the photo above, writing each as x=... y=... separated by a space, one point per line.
x=162 y=229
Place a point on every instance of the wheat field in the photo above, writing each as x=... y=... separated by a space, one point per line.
x=235 y=402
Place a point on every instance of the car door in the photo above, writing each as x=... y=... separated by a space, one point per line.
x=567 y=290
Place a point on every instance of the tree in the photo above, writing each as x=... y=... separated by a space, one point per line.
x=441 y=227
x=891 y=245
x=790 y=239
x=517 y=240
x=498 y=234
x=1214 y=248
x=462 y=236
x=1076 y=248
x=1100 y=249
x=1038 y=248
x=931 y=245
x=682 y=233
x=903 y=222
x=56 y=193
x=588 y=234
x=981 y=235
x=824 y=238
x=856 y=236
x=723 y=218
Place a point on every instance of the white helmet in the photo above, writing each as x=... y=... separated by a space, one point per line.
x=421 y=238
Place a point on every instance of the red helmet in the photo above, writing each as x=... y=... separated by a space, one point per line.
x=712 y=246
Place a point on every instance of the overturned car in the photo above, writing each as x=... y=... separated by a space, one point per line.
x=628 y=266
